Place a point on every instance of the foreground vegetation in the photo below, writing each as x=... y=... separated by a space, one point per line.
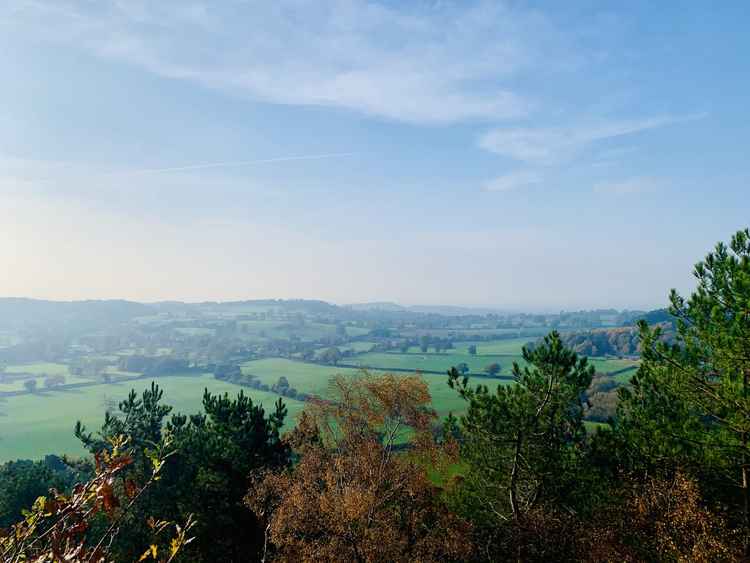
x=371 y=472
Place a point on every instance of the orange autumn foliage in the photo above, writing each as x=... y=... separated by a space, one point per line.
x=354 y=496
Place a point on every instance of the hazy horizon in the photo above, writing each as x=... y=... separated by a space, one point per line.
x=526 y=156
x=502 y=309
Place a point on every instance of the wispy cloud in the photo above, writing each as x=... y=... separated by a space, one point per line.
x=513 y=181
x=204 y=165
x=425 y=63
x=630 y=186
x=554 y=145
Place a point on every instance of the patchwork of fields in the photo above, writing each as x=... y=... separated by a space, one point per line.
x=32 y=425
x=313 y=379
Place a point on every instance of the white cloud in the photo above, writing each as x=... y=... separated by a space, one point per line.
x=513 y=181
x=554 y=145
x=630 y=186
x=428 y=63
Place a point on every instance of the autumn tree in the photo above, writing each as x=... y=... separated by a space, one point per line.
x=354 y=496
x=82 y=527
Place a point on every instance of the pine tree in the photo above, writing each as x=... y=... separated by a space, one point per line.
x=689 y=405
x=523 y=443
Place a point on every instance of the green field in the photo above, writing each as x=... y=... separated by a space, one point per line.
x=356 y=331
x=607 y=365
x=511 y=352
x=503 y=346
x=313 y=379
x=306 y=378
x=18 y=384
x=32 y=426
x=528 y=332
x=39 y=368
x=431 y=362
x=357 y=346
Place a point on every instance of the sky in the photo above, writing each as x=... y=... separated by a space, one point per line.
x=524 y=155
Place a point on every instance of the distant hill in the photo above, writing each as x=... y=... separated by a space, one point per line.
x=23 y=312
x=15 y=312
x=446 y=310
x=376 y=306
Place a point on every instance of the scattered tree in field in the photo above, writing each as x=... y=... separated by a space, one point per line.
x=331 y=356
x=352 y=497
x=54 y=380
x=463 y=368
x=492 y=369
x=30 y=385
x=424 y=343
x=228 y=372
x=472 y=349
x=280 y=386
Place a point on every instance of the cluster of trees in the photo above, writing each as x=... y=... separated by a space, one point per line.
x=492 y=369
x=331 y=356
x=620 y=341
x=366 y=477
x=234 y=374
x=153 y=365
x=283 y=388
x=438 y=344
x=54 y=380
x=602 y=398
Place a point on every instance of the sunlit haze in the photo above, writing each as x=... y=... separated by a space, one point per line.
x=516 y=155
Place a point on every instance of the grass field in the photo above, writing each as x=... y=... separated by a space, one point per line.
x=32 y=426
x=313 y=379
x=530 y=332
x=501 y=346
x=506 y=352
x=607 y=365
x=431 y=362
x=18 y=384
x=39 y=368
x=357 y=346
x=306 y=378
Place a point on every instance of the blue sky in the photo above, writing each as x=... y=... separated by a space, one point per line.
x=535 y=155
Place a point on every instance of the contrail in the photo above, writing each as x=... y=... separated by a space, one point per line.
x=241 y=163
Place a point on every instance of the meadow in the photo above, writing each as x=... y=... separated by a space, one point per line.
x=34 y=425
x=314 y=378
x=432 y=362
x=501 y=351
